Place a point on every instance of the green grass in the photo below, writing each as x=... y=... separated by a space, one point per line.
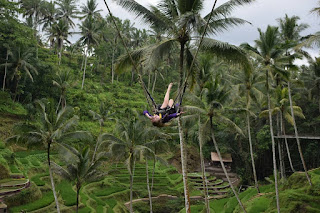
x=67 y=193
x=259 y=204
x=46 y=200
x=14 y=169
x=36 y=179
x=108 y=191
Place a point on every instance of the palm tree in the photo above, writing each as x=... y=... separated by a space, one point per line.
x=52 y=128
x=79 y=168
x=90 y=37
x=6 y=66
x=290 y=33
x=90 y=10
x=33 y=14
x=201 y=136
x=268 y=53
x=63 y=79
x=248 y=84
x=58 y=34
x=103 y=115
x=180 y=20
x=21 y=62
x=48 y=14
x=128 y=146
x=312 y=40
x=67 y=10
x=284 y=110
x=210 y=104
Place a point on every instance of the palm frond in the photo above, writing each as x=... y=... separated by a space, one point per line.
x=229 y=53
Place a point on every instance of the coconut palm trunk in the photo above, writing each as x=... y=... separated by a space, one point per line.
x=250 y=145
x=112 y=65
x=132 y=167
x=84 y=69
x=251 y=154
x=78 y=192
x=148 y=186
x=283 y=130
x=82 y=61
x=5 y=71
x=281 y=162
x=183 y=166
x=223 y=167
x=273 y=144
x=204 y=178
x=297 y=136
x=51 y=179
x=60 y=53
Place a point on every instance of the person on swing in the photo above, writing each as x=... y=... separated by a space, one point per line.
x=164 y=112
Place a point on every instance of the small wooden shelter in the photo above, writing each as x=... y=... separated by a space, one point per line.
x=3 y=208
x=226 y=158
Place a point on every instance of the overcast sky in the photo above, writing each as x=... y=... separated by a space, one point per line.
x=260 y=14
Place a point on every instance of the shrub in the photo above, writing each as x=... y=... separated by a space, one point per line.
x=46 y=200
x=26 y=196
x=4 y=172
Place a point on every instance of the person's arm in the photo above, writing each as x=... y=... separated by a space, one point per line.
x=146 y=113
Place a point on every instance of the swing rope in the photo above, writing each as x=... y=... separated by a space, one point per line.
x=182 y=89
x=146 y=92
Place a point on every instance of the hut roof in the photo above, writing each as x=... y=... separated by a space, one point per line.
x=226 y=157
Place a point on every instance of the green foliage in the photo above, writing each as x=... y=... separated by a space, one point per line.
x=8 y=106
x=4 y=172
x=14 y=169
x=67 y=193
x=37 y=179
x=108 y=191
x=44 y=201
x=260 y=204
x=25 y=199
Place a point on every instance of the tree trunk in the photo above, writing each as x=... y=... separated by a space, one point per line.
x=60 y=53
x=78 y=192
x=153 y=171
x=251 y=153
x=5 y=71
x=223 y=167
x=83 y=61
x=154 y=82
x=51 y=179
x=84 y=69
x=283 y=130
x=131 y=182
x=281 y=164
x=297 y=136
x=203 y=170
x=112 y=66
x=58 y=104
x=282 y=172
x=184 y=168
x=273 y=144
x=148 y=186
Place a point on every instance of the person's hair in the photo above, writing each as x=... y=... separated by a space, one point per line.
x=158 y=124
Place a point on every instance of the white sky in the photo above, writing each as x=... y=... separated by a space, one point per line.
x=260 y=14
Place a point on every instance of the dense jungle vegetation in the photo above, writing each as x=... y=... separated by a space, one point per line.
x=73 y=136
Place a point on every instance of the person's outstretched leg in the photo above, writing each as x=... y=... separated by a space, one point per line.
x=166 y=97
